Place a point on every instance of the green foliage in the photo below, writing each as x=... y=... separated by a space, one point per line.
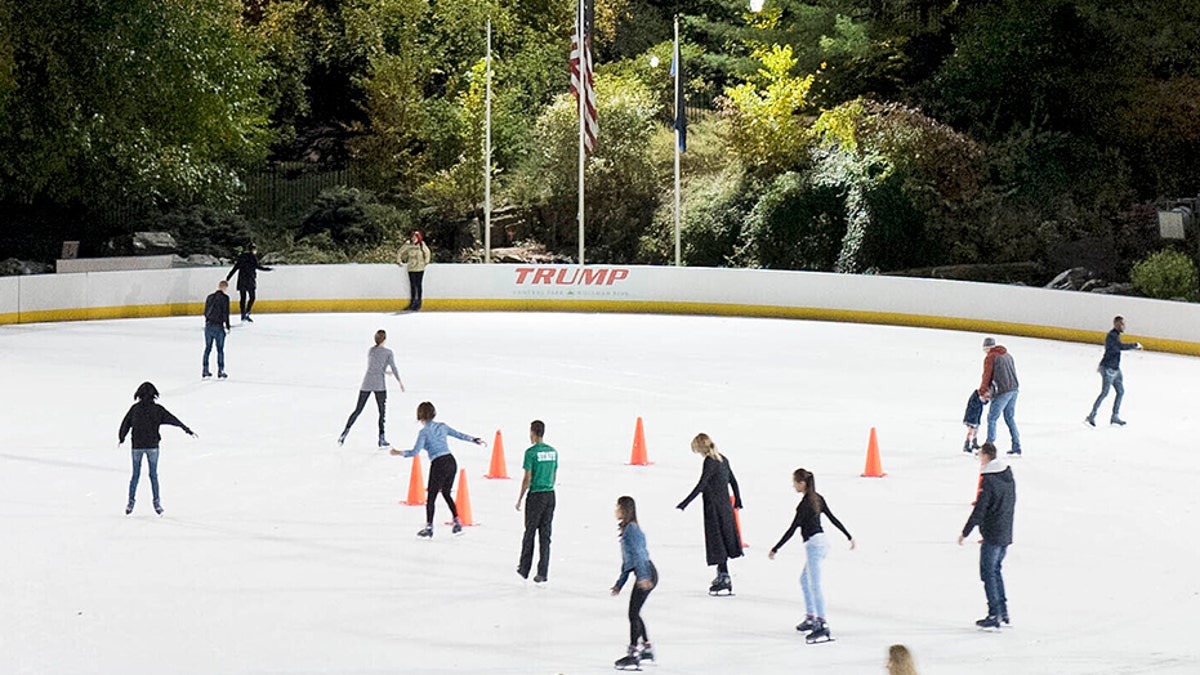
x=715 y=206
x=142 y=103
x=765 y=129
x=1167 y=275
x=622 y=190
x=351 y=217
x=795 y=224
x=203 y=229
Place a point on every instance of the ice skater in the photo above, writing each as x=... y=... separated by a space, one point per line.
x=216 y=327
x=721 y=538
x=808 y=520
x=541 y=466
x=1000 y=388
x=442 y=465
x=993 y=514
x=144 y=418
x=380 y=360
x=636 y=560
x=247 y=268
x=971 y=418
x=1110 y=372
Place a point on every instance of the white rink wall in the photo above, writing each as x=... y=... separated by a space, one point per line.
x=992 y=308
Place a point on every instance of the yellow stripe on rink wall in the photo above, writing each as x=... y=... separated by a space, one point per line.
x=891 y=301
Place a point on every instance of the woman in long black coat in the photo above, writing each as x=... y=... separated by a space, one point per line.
x=247 y=268
x=721 y=538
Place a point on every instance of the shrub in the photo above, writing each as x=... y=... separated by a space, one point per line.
x=351 y=217
x=1167 y=275
x=203 y=229
x=795 y=225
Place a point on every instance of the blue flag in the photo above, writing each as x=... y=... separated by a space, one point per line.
x=680 y=102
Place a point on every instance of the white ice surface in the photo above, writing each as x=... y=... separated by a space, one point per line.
x=282 y=553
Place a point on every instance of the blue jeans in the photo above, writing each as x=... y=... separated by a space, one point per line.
x=816 y=548
x=1112 y=378
x=214 y=334
x=991 y=556
x=152 y=455
x=1004 y=403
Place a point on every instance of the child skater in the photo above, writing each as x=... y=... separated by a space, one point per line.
x=144 y=419
x=971 y=418
x=721 y=538
x=635 y=559
x=379 y=360
x=808 y=520
x=442 y=465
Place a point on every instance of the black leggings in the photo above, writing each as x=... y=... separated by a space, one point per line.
x=441 y=479
x=245 y=300
x=380 y=400
x=637 y=627
x=415 y=290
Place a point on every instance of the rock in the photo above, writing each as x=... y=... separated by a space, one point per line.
x=1071 y=280
x=153 y=243
x=274 y=258
x=13 y=267
x=1114 y=289
x=202 y=260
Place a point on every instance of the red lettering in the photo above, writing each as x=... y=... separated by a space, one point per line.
x=523 y=272
x=593 y=276
x=543 y=276
x=617 y=275
x=562 y=277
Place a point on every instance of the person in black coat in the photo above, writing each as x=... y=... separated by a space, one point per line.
x=721 y=538
x=993 y=514
x=144 y=419
x=247 y=267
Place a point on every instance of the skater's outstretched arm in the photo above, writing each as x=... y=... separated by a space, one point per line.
x=710 y=467
x=464 y=437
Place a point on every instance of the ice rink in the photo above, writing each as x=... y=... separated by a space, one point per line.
x=282 y=553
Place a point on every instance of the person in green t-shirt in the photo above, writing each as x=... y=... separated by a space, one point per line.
x=541 y=465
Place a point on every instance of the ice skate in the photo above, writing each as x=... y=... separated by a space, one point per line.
x=646 y=653
x=383 y=444
x=989 y=622
x=819 y=633
x=1090 y=421
x=158 y=508
x=221 y=375
x=806 y=625
x=426 y=532
x=342 y=437
x=1117 y=421
x=722 y=585
x=631 y=661
x=457 y=529
x=129 y=507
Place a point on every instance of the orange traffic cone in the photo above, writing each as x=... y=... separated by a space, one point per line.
x=498 y=469
x=462 y=500
x=874 y=468
x=416 y=484
x=638 y=456
x=737 y=520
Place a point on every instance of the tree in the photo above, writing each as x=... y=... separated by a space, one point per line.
x=766 y=131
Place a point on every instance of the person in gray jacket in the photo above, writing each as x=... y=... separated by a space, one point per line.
x=1000 y=387
x=379 y=360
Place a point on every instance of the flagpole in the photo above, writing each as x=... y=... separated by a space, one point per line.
x=582 y=102
x=678 y=74
x=487 y=153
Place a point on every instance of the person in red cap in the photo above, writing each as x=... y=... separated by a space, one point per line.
x=414 y=254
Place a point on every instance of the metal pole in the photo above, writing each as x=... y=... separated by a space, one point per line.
x=678 y=71
x=582 y=101
x=487 y=153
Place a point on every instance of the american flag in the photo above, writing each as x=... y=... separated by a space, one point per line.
x=581 y=59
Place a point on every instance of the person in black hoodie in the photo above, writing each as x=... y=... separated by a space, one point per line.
x=993 y=514
x=144 y=419
x=247 y=267
x=721 y=538
x=216 y=326
x=808 y=521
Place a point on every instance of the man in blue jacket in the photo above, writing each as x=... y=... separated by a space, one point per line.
x=1110 y=372
x=993 y=515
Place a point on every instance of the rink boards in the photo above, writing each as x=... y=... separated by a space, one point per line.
x=976 y=307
